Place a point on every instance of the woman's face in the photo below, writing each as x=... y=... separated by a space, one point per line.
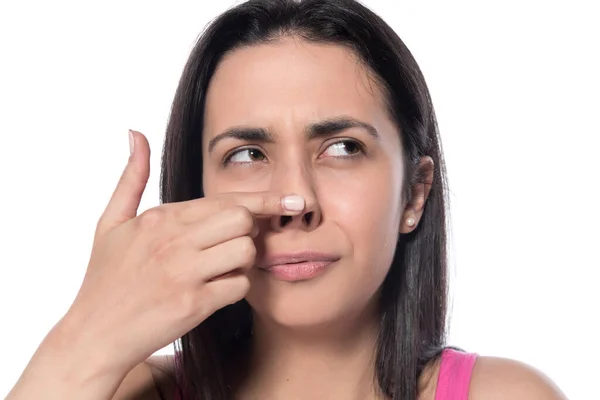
x=315 y=124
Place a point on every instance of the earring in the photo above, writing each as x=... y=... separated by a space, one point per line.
x=410 y=222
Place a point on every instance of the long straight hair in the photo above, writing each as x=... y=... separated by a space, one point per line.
x=413 y=294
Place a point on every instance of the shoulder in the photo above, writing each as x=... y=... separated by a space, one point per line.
x=496 y=378
x=152 y=379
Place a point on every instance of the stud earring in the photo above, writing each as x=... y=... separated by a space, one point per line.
x=410 y=222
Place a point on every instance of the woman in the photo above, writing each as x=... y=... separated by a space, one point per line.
x=300 y=252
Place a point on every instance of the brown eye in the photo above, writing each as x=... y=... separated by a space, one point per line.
x=351 y=147
x=256 y=155
x=344 y=148
x=245 y=156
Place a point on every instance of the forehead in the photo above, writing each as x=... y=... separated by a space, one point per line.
x=290 y=81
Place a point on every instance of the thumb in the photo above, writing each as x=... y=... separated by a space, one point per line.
x=125 y=200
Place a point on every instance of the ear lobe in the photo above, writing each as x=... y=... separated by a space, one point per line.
x=419 y=193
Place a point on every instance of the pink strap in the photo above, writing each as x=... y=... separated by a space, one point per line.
x=455 y=375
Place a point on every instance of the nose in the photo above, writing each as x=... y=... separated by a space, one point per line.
x=298 y=181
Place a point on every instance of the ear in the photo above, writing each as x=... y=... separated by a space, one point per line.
x=419 y=192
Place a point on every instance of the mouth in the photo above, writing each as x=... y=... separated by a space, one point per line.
x=293 y=267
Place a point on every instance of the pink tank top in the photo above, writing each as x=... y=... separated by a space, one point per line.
x=454 y=377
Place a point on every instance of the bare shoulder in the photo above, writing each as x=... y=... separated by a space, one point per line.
x=497 y=378
x=152 y=379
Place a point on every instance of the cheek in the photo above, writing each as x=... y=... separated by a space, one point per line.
x=366 y=206
x=366 y=209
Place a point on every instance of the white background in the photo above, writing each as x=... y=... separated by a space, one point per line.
x=516 y=89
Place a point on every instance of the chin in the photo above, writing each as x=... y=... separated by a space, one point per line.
x=325 y=301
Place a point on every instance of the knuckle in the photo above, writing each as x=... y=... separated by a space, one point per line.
x=243 y=219
x=246 y=249
x=215 y=297
x=104 y=224
x=152 y=218
x=100 y=224
x=266 y=202
x=244 y=286
x=239 y=289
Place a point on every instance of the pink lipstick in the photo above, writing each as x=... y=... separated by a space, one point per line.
x=293 y=267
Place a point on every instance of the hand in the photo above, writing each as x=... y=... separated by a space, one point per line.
x=152 y=278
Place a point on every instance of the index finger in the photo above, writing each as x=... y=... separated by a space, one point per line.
x=258 y=203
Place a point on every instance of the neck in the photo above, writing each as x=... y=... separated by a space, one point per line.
x=332 y=361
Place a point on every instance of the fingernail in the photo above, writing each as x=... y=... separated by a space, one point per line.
x=293 y=203
x=131 y=142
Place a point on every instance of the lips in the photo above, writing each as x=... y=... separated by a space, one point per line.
x=297 y=266
x=296 y=258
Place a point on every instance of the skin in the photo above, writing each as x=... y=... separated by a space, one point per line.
x=321 y=331
x=312 y=339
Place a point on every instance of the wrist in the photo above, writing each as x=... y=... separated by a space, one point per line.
x=83 y=353
x=61 y=370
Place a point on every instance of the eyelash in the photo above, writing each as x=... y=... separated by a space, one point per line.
x=361 y=152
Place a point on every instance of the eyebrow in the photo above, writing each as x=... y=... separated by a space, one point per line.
x=321 y=129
